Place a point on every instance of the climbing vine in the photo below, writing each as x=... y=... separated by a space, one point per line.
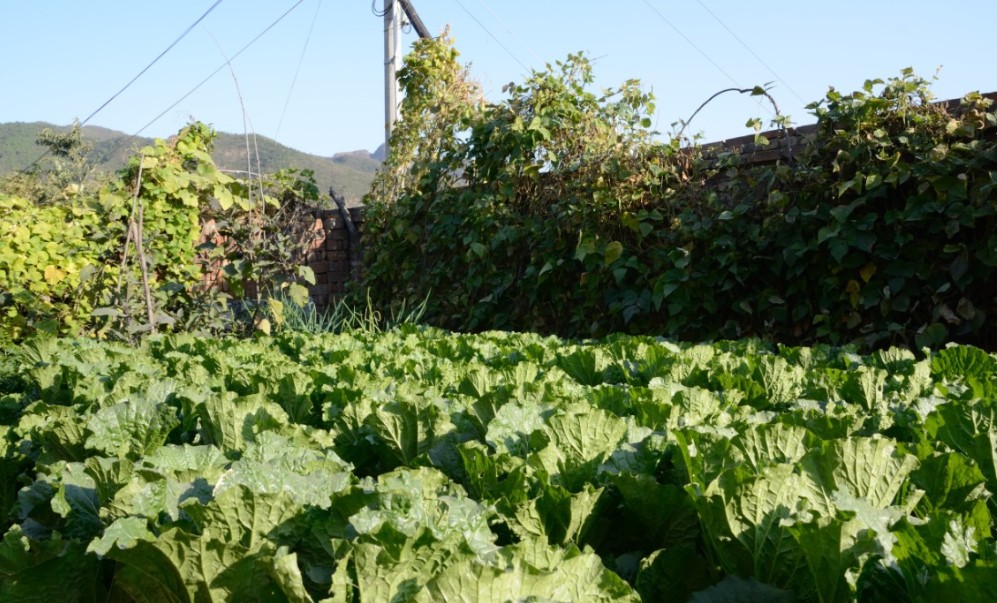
x=557 y=210
x=135 y=256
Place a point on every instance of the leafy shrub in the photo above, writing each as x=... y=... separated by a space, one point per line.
x=70 y=264
x=555 y=211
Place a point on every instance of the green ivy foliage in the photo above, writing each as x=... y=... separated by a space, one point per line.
x=68 y=266
x=49 y=265
x=556 y=211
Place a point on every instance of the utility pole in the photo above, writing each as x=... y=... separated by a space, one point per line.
x=393 y=10
x=392 y=63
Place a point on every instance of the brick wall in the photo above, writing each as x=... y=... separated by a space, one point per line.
x=334 y=253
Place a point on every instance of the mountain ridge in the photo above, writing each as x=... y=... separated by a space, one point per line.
x=350 y=172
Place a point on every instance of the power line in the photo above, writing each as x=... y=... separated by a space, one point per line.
x=133 y=80
x=297 y=70
x=746 y=47
x=701 y=51
x=691 y=43
x=499 y=42
x=211 y=75
x=154 y=61
x=512 y=33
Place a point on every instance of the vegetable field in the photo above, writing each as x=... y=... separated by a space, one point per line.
x=419 y=465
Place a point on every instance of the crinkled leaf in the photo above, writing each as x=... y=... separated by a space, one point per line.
x=558 y=516
x=773 y=443
x=406 y=428
x=659 y=515
x=494 y=476
x=78 y=502
x=581 y=439
x=951 y=481
x=59 y=430
x=274 y=464
x=241 y=516
x=873 y=469
x=131 y=429
x=230 y=421
x=576 y=577
x=745 y=516
x=971 y=428
x=512 y=428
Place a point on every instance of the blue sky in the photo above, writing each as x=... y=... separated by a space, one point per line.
x=63 y=58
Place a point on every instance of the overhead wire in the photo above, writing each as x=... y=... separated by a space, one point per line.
x=297 y=70
x=134 y=79
x=748 y=48
x=373 y=9
x=211 y=75
x=699 y=50
x=154 y=61
x=691 y=43
x=512 y=33
x=490 y=34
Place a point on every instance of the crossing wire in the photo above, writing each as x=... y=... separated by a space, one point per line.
x=691 y=43
x=154 y=61
x=748 y=48
x=487 y=31
x=512 y=33
x=211 y=75
x=297 y=70
x=133 y=80
x=701 y=51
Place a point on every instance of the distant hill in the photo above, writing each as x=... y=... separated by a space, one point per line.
x=351 y=172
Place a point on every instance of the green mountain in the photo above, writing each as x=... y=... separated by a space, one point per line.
x=351 y=173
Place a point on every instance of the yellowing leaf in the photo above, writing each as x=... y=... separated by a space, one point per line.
x=613 y=252
x=276 y=311
x=853 y=288
x=298 y=294
x=867 y=272
x=53 y=275
x=224 y=197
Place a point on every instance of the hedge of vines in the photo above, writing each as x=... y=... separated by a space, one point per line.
x=555 y=210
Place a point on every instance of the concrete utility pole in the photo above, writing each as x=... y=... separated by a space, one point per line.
x=393 y=10
x=392 y=63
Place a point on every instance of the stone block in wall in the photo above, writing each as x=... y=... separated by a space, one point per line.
x=320 y=266
x=766 y=156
